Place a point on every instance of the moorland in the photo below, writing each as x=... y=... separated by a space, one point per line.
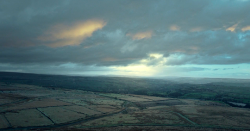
x=34 y=101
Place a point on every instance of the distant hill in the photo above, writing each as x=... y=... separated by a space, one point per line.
x=224 y=90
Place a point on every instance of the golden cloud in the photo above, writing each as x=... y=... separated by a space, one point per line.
x=245 y=28
x=232 y=28
x=141 y=35
x=63 y=35
x=174 y=28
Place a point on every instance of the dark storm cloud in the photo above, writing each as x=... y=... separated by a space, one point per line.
x=68 y=68
x=185 y=32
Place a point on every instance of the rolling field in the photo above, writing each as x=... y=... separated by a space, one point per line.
x=25 y=118
x=110 y=120
x=60 y=115
x=84 y=110
x=74 y=109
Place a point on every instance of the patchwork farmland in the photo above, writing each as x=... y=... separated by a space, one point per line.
x=57 y=108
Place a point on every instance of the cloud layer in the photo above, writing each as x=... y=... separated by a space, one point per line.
x=122 y=33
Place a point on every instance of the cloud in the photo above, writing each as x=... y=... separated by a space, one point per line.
x=232 y=28
x=141 y=35
x=63 y=35
x=109 y=59
x=246 y=28
x=130 y=46
x=155 y=59
x=174 y=28
x=66 y=68
x=196 y=29
x=124 y=33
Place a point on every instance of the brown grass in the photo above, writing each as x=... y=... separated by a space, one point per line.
x=24 y=118
x=82 y=109
x=60 y=115
x=38 y=103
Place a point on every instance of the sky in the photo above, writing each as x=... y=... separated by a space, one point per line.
x=143 y=38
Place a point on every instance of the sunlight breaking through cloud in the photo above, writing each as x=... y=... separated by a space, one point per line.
x=135 y=70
